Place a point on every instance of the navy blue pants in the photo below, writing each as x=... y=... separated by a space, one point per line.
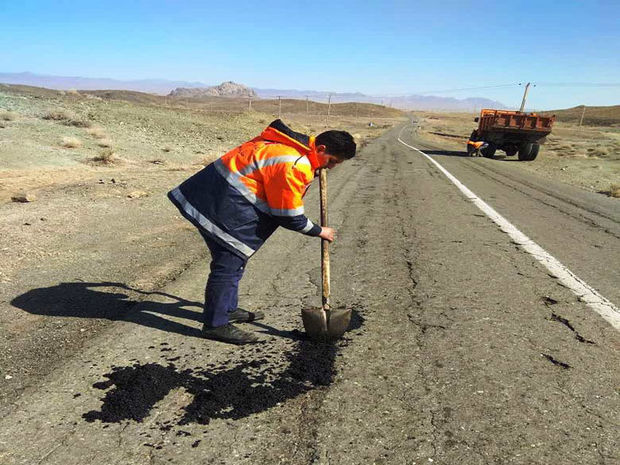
x=222 y=292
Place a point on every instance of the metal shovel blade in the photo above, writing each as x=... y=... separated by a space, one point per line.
x=327 y=325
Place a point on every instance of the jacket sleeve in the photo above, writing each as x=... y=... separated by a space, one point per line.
x=285 y=190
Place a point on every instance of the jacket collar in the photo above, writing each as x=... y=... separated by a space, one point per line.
x=279 y=132
x=312 y=155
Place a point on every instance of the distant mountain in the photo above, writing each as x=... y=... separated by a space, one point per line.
x=225 y=89
x=428 y=102
x=313 y=95
x=153 y=86
x=199 y=89
x=404 y=102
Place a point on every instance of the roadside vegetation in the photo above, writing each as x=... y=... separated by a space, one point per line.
x=106 y=157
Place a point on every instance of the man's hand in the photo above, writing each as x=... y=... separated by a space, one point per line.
x=329 y=234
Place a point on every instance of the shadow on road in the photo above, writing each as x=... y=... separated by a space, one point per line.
x=457 y=153
x=103 y=300
x=447 y=153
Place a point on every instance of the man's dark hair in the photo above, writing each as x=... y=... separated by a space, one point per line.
x=337 y=143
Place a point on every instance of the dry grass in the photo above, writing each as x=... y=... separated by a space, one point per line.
x=106 y=157
x=78 y=123
x=71 y=142
x=97 y=132
x=66 y=118
x=167 y=149
x=600 y=151
x=6 y=115
x=105 y=143
x=57 y=115
x=614 y=190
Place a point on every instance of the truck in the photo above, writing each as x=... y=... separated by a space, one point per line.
x=514 y=132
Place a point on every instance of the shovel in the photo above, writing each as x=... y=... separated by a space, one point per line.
x=325 y=323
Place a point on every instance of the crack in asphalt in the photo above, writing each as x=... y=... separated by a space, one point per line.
x=556 y=362
x=565 y=322
x=48 y=454
x=416 y=302
x=120 y=434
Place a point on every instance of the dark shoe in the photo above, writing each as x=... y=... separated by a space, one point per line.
x=243 y=316
x=229 y=333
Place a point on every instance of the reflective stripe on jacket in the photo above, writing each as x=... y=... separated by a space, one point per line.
x=241 y=198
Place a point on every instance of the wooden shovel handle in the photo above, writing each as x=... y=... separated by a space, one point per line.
x=324 y=243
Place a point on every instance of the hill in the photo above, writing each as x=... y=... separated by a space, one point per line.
x=225 y=89
x=593 y=116
x=209 y=104
x=155 y=86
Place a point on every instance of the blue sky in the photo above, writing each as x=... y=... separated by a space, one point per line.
x=390 y=47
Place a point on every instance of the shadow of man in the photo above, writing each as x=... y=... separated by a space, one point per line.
x=111 y=301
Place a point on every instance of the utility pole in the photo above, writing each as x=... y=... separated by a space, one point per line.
x=582 y=115
x=279 y=107
x=527 y=88
x=307 y=106
x=249 y=103
x=329 y=106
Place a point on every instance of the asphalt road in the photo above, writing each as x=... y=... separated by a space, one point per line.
x=463 y=348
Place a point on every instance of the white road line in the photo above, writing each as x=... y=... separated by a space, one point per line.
x=584 y=292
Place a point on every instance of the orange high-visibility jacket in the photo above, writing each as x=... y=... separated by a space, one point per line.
x=240 y=199
x=475 y=144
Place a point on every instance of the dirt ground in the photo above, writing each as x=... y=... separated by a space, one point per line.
x=587 y=156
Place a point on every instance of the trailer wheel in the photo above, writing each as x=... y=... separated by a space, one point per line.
x=525 y=151
x=534 y=152
x=489 y=150
x=511 y=151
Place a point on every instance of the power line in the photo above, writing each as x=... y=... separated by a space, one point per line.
x=466 y=88
x=579 y=84
x=546 y=84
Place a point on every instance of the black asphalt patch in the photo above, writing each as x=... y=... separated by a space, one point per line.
x=234 y=390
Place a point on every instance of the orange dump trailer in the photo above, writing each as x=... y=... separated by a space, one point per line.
x=511 y=131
